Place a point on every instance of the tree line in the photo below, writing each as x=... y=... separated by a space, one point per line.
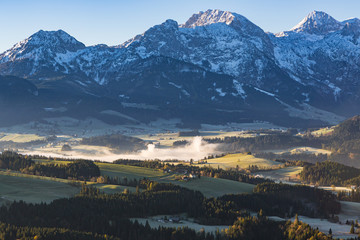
x=330 y=173
x=77 y=169
x=265 y=142
x=92 y=213
x=117 y=141
x=231 y=174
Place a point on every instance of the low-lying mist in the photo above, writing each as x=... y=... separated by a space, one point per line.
x=197 y=149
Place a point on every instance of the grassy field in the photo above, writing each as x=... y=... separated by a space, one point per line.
x=283 y=174
x=130 y=172
x=110 y=189
x=210 y=187
x=20 y=138
x=323 y=132
x=158 y=221
x=240 y=159
x=349 y=211
x=36 y=189
x=51 y=161
x=300 y=150
x=215 y=187
x=32 y=189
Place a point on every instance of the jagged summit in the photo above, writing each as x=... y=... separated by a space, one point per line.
x=44 y=36
x=52 y=41
x=209 y=17
x=213 y=16
x=352 y=20
x=41 y=45
x=217 y=58
x=236 y=21
x=317 y=22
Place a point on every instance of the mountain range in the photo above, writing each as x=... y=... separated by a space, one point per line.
x=216 y=68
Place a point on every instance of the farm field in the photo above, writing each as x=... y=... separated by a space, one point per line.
x=349 y=211
x=130 y=172
x=51 y=161
x=32 y=189
x=242 y=160
x=110 y=189
x=210 y=187
x=157 y=221
x=20 y=138
x=283 y=174
x=323 y=132
x=215 y=187
x=36 y=189
x=297 y=150
x=119 y=170
x=339 y=231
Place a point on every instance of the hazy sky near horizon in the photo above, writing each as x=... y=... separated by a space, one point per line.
x=114 y=21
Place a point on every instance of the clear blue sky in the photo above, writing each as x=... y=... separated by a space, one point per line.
x=113 y=22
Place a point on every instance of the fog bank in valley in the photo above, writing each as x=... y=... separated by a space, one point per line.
x=196 y=149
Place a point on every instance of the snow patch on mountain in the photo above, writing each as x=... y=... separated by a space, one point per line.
x=209 y=17
x=220 y=92
x=263 y=91
x=317 y=22
x=175 y=85
x=239 y=89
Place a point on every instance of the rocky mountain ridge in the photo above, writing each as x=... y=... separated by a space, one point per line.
x=216 y=61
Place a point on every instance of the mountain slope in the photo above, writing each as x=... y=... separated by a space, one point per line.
x=323 y=53
x=217 y=67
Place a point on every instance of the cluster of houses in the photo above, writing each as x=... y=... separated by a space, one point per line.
x=174 y=219
x=185 y=175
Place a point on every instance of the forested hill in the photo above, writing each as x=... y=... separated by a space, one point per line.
x=330 y=173
x=346 y=136
x=117 y=141
x=348 y=130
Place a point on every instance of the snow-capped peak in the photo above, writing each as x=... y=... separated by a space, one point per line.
x=210 y=17
x=317 y=22
x=42 y=44
x=351 y=22
x=46 y=36
x=58 y=41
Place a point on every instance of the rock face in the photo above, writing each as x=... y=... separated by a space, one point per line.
x=217 y=67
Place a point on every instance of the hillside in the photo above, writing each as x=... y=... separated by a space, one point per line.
x=330 y=173
x=346 y=136
x=217 y=67
x=119 y=142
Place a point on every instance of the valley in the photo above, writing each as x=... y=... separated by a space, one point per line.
x=212 y=128
x=212 y=171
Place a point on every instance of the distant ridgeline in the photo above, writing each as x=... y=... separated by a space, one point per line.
x=78 y=169
x=117 y=141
